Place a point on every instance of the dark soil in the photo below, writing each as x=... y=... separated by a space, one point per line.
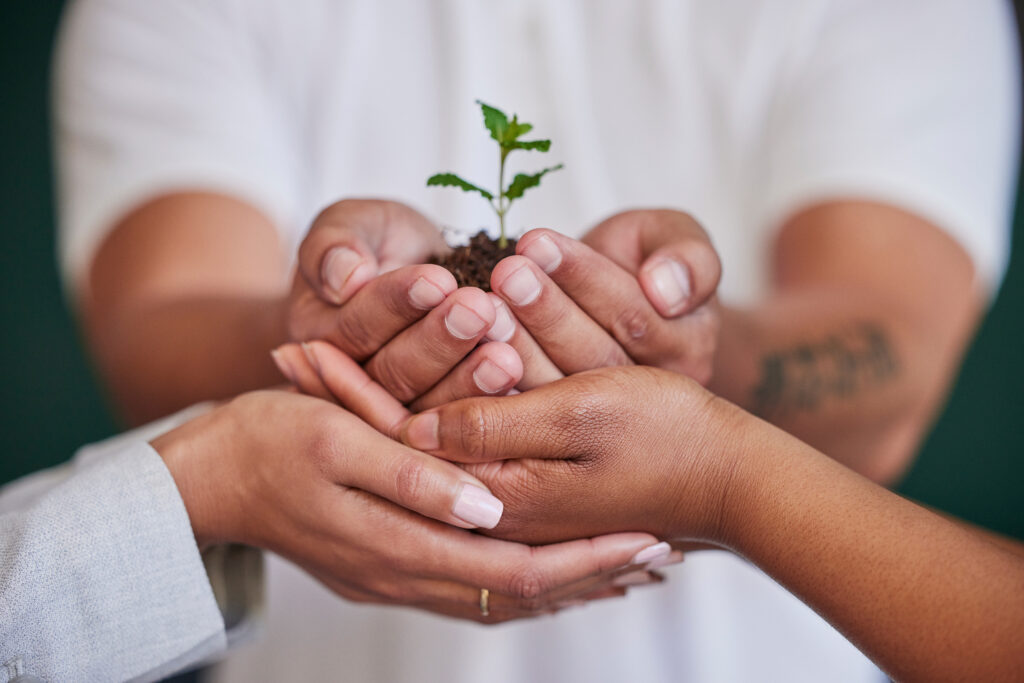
x=472 y=264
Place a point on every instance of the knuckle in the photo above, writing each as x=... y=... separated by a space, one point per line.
x=632 y=325
x=354 y=336
x=527 y=586
x=410 y=478
x=392 y=376
x=473 y=431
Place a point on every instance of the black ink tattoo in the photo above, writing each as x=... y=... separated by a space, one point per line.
x=840 y=366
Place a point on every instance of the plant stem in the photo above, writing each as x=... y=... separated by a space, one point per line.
x=502 y=207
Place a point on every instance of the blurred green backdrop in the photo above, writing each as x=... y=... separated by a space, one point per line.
x=972 y=465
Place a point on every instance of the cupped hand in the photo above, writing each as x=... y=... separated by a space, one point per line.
x=607 y=450
x=374 y=520
x=361 y=285
x=640 y=287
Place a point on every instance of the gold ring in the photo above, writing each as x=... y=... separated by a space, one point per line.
x=485 y=602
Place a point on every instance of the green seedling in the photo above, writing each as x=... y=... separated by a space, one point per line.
x=506 y=133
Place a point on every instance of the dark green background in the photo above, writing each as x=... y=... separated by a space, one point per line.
x=972 y=465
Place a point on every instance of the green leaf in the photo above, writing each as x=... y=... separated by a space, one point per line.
x=495 y=121
x=539 y=145
x=522 y=182
x=452 y=180
x=516 y=130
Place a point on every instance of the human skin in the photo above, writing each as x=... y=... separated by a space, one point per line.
x=374 y=520
x=881 y=302
x=926 y=598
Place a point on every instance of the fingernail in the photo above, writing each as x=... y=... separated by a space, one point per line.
x=674 y=557
x=339 y=264
x=544 y=253
x=522 y=287
x=490 y=378
x=651 y=552
x=463 y=323
x=425 y=295
x=477 y=507
x=637 y=578
x=504 y=327
x=421 y=432
x=672 y=284
x=310 y=354
x=284 y=367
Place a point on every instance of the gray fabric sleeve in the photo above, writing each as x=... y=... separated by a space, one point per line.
x=100 y=576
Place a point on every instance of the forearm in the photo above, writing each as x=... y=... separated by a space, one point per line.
x=161 y=356
x=850 y=373
x=922 y=596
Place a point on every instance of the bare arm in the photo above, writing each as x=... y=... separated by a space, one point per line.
x=855 y=345
x=185 y=300
x=637 y=448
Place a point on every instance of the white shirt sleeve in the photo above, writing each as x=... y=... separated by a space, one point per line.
x=158 y=97
x=910 y=103
x=100 y=576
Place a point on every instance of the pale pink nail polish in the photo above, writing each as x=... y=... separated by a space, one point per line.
x=425 y=295
x=311 y=356
x=672 y=283
x=477 y=507
x=490 y=378
x=522 y=287
x=421 y=432
x=544 y=253
x=637 y=578
x=674 y=557
x=285 y=368
x=504 y=326
x=651 y=552
x=464 y=323
x=339 y=264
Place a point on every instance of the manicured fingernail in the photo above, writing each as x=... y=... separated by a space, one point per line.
x=504 y=327
x=672 y=284
x=339 y=264
x=544 y=253
x=284 y=367
x=463 y=322
x=490 y=378
x=637 y=578
x=310 y=354
x=421 y=432
x=522 y=287
x=651 y=552
x=477 y=507
x=424 y=294
x=674 y=557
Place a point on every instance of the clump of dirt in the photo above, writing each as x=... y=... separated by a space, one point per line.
x=472 y=263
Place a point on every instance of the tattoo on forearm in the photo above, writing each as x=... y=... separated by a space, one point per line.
x=842 y=365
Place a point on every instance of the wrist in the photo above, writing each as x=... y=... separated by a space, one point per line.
x=186 y=453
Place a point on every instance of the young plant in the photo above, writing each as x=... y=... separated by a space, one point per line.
x=506 y=133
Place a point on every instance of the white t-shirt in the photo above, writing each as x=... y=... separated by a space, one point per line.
x=739 y=111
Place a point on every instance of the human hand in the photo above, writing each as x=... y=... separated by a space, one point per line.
x=640 y=287
x=607 y=450
x=361 y=285
x=369 y=517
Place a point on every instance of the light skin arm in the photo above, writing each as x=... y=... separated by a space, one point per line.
x=927 y=599
x=189 y=294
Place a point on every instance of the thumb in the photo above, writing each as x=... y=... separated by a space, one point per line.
x=675 y=262
x=354 y=240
